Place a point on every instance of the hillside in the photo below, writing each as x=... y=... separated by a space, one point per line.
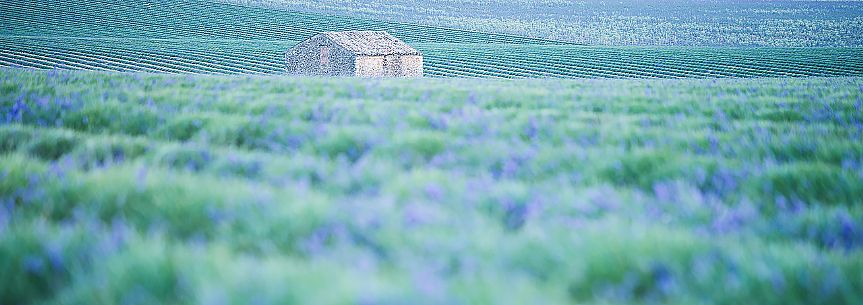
x=146 y=188
x=717 y=23
x=198 y=36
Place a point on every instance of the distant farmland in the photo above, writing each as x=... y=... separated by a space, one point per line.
x=718 y=23
x=215 y=38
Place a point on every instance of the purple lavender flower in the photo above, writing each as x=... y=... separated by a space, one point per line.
x=433 y=192
x=663 y=278
x=429 y=284
x=34 y=264
x=18 y=109
x=54 y=253
x=515 y=216
x=663 y=192
x=532 y=128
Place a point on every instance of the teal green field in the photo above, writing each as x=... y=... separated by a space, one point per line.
x=180 y=189
x=221 y=37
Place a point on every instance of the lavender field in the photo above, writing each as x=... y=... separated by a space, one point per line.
x=172 y=189
x=552 y=152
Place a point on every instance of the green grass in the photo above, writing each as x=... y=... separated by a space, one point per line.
x=153 y=189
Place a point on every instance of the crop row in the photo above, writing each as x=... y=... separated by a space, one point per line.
x=208 y=19
x=658 y=62
x=191 y=36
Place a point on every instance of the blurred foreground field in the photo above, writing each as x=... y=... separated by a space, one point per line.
x=168 y=189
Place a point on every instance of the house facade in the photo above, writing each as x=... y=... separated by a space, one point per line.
x=354 y=53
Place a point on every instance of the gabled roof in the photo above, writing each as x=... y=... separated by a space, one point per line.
x=371 y=43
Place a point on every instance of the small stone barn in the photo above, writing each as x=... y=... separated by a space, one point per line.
x=354 y=53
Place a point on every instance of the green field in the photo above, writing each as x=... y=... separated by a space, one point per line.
x=207 y=37
x=159 y=189
x=700 y=23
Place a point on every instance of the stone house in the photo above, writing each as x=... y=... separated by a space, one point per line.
x=354 y=53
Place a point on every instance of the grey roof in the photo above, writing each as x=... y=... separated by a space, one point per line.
x=371 y=43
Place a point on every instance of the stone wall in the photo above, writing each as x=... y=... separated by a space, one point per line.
x=389 y=66
x=305 y=58
x=369 y=66
x=412 y=65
